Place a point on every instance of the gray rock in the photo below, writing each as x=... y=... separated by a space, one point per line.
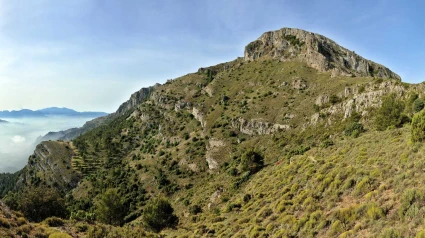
x=316 y=51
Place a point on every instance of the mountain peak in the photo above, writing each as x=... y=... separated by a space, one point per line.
x=57 y=110
x=317 y=51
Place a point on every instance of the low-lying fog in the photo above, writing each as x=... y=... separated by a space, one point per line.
x=18 y=136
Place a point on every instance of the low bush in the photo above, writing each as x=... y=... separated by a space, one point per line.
x=354 y=129
x=81 y=227
x=195 y=209
x=4 y=223
x=21 y=221
x=418 y=105
x=390 y=114
x=54 y=221
x=59 y=235
x=418 y=127
x=252 y=161
x=159 y=214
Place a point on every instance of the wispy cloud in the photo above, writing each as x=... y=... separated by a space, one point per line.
x=17 y=139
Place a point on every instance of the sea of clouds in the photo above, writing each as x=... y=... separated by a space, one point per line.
x=18 y=136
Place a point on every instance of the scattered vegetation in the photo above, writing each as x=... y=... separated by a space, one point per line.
x=294 y=40
x=192 y=144
x=38 y=203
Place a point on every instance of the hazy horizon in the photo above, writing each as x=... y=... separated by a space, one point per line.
x=17 y=138
x=41 y=108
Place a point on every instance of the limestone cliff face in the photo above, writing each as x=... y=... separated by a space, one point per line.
x=135 y=99
x=51 y=164
x=257 y=127
x=317 y=51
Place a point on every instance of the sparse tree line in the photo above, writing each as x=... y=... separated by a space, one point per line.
x=40 y=203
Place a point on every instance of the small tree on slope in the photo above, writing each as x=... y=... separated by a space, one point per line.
x=418 y=127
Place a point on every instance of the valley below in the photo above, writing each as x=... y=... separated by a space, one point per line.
x=18 y=137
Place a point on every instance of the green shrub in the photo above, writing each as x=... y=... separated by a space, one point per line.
x=374 y=212
x=97 y=231
x=23 y=230
x=241 y=179
x=21 y=221
x=4 y=223
x=252 y=161
x=418 y=127
x=390 y=113
x=59 y=235
x=81 y=215
x=391 y=233
x=420 y=234
x=334 y=99
x=195 y=209
x=336 y=228
x=54 y=221
x=81 y=227
x=326 y=143
x=39 y=203
x=418 y=105
x=354 y=129
x=158 y=214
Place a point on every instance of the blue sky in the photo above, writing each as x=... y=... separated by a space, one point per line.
x=92 y=54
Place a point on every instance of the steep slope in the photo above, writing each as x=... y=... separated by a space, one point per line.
x=135 y=99
x=50 y=165
x=360 y=187
x=200 y=140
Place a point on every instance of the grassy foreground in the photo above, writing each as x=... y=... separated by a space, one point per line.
x=369 y=186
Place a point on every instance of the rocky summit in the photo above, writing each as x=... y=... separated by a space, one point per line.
x=299 y=138
x=315 y=50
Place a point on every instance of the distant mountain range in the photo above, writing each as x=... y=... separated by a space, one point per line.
x=51 y=111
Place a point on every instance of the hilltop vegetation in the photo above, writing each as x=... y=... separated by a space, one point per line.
x=256 y=147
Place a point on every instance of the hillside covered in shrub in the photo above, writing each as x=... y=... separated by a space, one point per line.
x=295 y=139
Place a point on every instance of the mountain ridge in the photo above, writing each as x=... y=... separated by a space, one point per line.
x=51 y=111
x=256 y=147
x=132 y=102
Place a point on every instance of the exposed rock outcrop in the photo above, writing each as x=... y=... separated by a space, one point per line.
x=299 y=84
x=257 y=127
x=135 y=99
x=317 y=51
x=52 y=159
x=212 y=148
x=199 y=116
x=360 y=102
